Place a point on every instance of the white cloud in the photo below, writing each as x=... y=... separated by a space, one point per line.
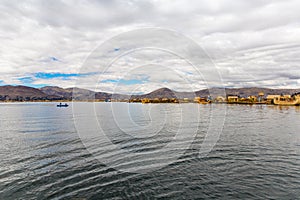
x=253 y=43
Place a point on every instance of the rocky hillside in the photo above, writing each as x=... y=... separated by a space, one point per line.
x=79 y=93
x=23 y=93
x=159 y=93
x=57 y=91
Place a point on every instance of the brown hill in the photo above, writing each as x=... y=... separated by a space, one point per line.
x=214 y=92
x=23 y=93
x=57 y=91
x=79 y=93
x=159 y=93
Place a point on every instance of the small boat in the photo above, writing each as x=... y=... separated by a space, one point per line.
x=203 y=100
x=62 y=105
x=284 y=101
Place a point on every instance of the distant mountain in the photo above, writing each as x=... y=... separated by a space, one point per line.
x=167 y=93
x=23 y=93
x=80 y=94
x=159 y=93
x=214 y=92
x=57 y=91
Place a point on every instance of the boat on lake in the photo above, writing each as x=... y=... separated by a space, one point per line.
x=62 y=105
x=286 y=101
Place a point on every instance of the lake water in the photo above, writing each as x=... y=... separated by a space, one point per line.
x=136 y=151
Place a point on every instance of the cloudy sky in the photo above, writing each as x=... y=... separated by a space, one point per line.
x=249 y=43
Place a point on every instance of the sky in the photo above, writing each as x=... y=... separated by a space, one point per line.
x=70 y=43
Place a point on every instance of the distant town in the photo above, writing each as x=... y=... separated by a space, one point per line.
x=252 y=95
x=285 y=100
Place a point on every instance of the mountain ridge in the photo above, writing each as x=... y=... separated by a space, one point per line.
x=25 y=93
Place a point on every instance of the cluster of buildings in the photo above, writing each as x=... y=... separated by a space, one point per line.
x=247 y=100
x=269 y=99
x=229 y=99
x=171 y=100
x=154 y=100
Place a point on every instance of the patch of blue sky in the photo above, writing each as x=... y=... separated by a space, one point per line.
x=114 y=50
x=52 y=58
x=28 y=81
x=1 y=82
x=36 y=85
x=188 y=73
x=124 y=81
x=43 y=75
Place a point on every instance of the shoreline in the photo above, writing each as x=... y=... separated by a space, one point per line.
x=90 y=101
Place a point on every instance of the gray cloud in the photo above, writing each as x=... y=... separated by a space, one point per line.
x=252 y=43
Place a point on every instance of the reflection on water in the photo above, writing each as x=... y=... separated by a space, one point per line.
x=42 y=156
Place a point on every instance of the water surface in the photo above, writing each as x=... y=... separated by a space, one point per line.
x=42 y=156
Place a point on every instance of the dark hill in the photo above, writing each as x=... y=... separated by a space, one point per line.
x=69 y=93
x=79 y=93
x=23 y=93
x=56 y=91
x=159 y=93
